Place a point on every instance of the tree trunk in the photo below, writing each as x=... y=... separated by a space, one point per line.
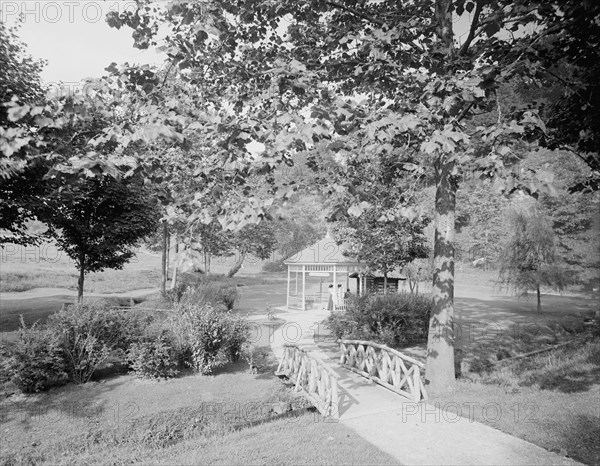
x=168 y=253
x=539 y=300
x=174 y=280
x=81 y=279
x=238 y=265
x=164 y=264
x=440 y=344
x=385 y=283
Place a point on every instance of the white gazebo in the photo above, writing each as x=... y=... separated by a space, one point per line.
x=311 y=271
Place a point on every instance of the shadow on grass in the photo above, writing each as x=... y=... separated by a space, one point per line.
x=578 y=375
x=572 y=382
x=582 y=437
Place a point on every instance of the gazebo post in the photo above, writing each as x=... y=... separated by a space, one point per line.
x=287 y=296
x=304 y=287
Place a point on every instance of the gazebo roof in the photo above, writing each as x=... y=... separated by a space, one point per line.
x=325 y=251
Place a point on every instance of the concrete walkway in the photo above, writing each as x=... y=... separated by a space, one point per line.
x=413 y=433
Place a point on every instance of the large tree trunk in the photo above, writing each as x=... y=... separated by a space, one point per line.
x=385 y=283
x=238 y=265
x=439 y=370
x=164 y=264
x=440 y=344
x=539 y=300
x=81 y=279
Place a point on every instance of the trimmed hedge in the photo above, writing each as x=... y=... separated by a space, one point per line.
x=395 y=320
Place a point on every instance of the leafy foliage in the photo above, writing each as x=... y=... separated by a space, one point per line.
x=574 y=217
x=480 y=222
x=209 y=338
x=98 y=221
x=528 y=258
x=20 y=177
x=88 y=333
x=37 y=360
x=153 y=358
x=212 y=292
x=382 y=244
x=300 y=224
x=258 y=240
x=396 y=320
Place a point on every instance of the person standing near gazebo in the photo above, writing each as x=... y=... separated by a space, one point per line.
x=332 y=299
x=339 y=295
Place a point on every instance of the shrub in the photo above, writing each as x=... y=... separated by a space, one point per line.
x=213 y=293
x=396 y=320
x=37 y=359
x=207 y=338
x=89 y=332
x=153 y=358
x=174 y=295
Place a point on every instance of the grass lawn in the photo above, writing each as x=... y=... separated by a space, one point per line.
x=26 y=268
x=551 y=399
x=303 y=440
x=186 y=420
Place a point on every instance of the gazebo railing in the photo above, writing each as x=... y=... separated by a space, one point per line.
x=342 y=305
x=317 y=382
x=384 y=366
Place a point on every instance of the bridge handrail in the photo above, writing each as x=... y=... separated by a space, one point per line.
x=386 y=348
x=387 y=369
x=313 y=377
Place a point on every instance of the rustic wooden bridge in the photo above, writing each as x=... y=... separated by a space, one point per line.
x=317 y=380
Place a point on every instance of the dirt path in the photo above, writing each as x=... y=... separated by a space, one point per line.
x=49 y=292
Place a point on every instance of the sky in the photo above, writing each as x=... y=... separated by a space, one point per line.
x=73 y=36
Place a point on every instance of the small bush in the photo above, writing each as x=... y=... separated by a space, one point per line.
x=213 y=293
x=89 y=332
x=395 y=320
x=207 y=338
x=174 y=295
x=153 y=358
x=37 y=360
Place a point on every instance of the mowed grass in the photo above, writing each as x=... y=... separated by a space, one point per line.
x=303 y=440
x=191 y=419
x=26 y=268
x=551 y=399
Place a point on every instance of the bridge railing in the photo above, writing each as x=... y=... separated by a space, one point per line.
x=312 y=377
x=385 y=366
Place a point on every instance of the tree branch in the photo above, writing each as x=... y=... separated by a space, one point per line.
x=474 y=25
x=463 y=112
x=356 y=12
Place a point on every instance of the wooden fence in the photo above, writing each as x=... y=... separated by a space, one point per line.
x=312 y=377
x=385 y=366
